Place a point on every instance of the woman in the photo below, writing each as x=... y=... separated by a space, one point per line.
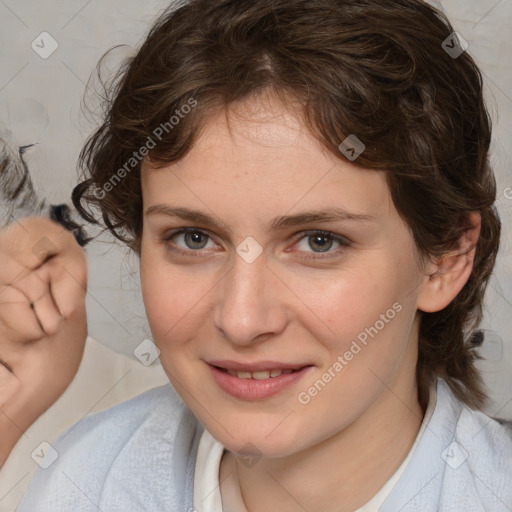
x=307 y=187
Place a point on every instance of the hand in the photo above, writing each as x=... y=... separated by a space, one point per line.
x=43 y=325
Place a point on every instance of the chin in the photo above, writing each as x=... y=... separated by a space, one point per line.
x=257 y=443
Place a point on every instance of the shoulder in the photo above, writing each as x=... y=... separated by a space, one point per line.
x=463 y=461
x=476 y=463
x=483 y=447
x=140 y=451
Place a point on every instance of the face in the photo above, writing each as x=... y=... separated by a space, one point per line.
x=238 y=273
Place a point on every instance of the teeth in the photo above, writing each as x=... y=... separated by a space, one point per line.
x=261 y=375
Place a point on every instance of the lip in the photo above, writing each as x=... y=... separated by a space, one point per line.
x=253 y=389
x=257 y=366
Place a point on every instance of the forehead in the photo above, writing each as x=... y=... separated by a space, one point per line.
x=259 y=149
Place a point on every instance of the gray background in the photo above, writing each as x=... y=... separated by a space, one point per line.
x=40 y=101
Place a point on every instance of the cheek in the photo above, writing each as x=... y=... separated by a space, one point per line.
x=165 y=304
x=162 y=304
x=366 y=310
x=173 y=300
x=339 y=305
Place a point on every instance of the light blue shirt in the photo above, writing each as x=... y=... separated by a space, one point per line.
x=140 y=457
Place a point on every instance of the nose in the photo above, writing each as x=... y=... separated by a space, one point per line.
x=249 y=305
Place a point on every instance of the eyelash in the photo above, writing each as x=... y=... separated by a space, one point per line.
x=344 y=243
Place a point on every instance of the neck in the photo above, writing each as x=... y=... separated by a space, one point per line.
x=358 y=461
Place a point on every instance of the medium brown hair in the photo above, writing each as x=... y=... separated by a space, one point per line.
x=373 y=68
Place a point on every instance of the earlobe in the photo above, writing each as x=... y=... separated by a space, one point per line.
x=447 y=276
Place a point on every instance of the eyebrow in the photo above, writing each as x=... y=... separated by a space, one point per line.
x=281 y=222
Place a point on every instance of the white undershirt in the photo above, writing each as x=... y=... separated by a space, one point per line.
x=207 y=492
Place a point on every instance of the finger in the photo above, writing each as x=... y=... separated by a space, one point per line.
x=38 y=289
x=35 y=289
x=69 y=282
x=18 y=322
x=56 y=286
x=47 y=313
x=23 y=242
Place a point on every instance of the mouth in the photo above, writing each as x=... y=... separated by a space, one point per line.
x=256 y=381
x=258 y=369
x=259 y=374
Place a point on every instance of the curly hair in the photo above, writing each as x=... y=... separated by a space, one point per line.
x=374 y=68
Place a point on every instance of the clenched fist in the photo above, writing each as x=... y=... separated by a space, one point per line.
x=43 y=325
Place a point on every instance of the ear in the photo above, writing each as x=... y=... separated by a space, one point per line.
x=447 y=276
